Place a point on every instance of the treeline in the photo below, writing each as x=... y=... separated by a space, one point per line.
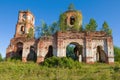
x=47 y=30
x=1 y=59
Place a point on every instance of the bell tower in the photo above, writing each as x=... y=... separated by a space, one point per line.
x=73 y=17
x=71 y=20
x=25 y=22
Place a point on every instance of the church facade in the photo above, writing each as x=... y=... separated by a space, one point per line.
x=90 y=47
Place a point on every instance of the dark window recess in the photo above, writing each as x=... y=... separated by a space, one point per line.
x=50 y=52
x=72 y=20
x=19 y=51
x=32 y=56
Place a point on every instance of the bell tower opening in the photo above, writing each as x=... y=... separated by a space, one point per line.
x=22 y=30
x=72 y=20
x=24 y=16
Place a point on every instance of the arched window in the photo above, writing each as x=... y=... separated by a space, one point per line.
x=72 y=20
x=22 y=30
x=19 y=51
x=24 y=16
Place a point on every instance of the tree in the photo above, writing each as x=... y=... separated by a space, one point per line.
x=45 y=29
x=87 y=27
x=37 y=32
x=81 y=28
x=30 y=33
x=70 y=51
x=105 y=27
x=42 y=30
x=53 y=28
x=91 y=26
x=71 y=7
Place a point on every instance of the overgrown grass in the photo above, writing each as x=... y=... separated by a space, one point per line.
x=16 y=70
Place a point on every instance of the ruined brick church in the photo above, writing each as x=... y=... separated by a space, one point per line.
x=90 y=47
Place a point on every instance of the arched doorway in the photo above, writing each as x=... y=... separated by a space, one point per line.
x=100 y=55
x=74 y=51
x=32 y=56
x=50 y=52
x=19 y=50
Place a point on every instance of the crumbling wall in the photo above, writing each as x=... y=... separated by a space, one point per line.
x=65 y=38
x=88 y=46
x=98 y=42
x=42 y=48
x=60 y=40
x=89 y=40
x=12 y=48
x=26 y=49
x=110 y=48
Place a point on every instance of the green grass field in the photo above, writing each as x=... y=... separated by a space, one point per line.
x=16 y=70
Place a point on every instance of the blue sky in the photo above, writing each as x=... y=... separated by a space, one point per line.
x=49 y=11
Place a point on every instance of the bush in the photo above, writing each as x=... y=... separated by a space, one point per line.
x=117 y=53
x=63 y=62
x=1 y=59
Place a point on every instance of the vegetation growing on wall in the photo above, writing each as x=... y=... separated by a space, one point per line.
x=77 y=26
x=62 y=22
x=30 y=33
